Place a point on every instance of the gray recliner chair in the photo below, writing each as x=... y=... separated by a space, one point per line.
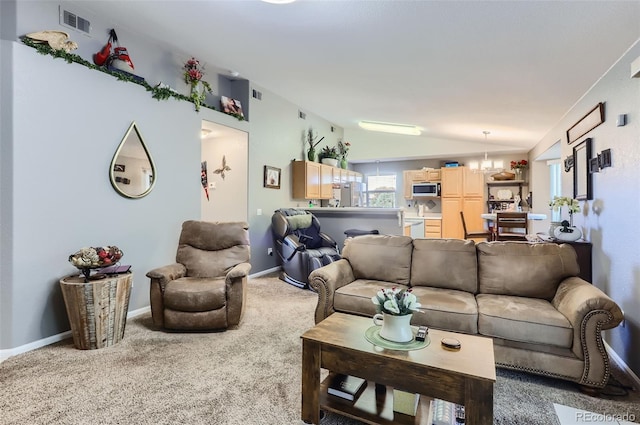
x=300 y=245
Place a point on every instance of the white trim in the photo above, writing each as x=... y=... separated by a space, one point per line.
x=622 y=365
x=264 y=272
x=5 y=354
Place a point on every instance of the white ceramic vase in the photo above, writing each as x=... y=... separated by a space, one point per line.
x=330 y=161
x=573 y=234
x=394 y=328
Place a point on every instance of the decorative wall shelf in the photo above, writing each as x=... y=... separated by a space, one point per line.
x=157 y=92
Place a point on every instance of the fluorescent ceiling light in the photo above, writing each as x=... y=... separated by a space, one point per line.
x=278 y=1
x=386 y=127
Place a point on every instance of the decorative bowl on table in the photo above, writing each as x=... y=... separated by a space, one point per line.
x=504 y=175
x=89 y=258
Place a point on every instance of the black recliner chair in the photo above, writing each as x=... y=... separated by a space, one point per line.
x=300 y=245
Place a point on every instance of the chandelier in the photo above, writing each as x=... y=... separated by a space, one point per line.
x=486 y=165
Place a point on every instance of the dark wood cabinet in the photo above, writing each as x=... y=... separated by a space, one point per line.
x=583 y=250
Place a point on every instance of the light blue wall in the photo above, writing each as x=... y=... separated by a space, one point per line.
x=61 y=124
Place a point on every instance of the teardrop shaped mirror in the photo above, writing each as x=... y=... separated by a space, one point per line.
x=132 y=172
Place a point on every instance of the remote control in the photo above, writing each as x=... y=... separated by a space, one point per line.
x=422 y=333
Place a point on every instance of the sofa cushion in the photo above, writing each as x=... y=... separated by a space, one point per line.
x=355 y=298
x=195 y=294
x=446 y=309
x=529 y=320
x=523 y=269
x=445 y=263
x=380 y=257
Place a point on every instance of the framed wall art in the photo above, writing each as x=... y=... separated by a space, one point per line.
x=272 y=177
x=582 y=178
x=594 y=118
x=231 y=106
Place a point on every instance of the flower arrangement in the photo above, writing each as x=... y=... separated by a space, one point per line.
x=572 y=205
x=92 y=258
x=519 y=165
x=193 y=74
x=396 y=302
x=343 y=149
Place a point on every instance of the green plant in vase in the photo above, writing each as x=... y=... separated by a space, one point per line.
x=343 y=150
x=311 y=139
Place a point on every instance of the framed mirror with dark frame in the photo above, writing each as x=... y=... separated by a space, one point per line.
x=582 y=178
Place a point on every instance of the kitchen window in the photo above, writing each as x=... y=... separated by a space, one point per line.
x=381 y=191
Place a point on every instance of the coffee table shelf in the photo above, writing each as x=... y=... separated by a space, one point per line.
x=372 y=408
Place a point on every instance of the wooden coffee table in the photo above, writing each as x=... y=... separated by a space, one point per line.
x=338 y=344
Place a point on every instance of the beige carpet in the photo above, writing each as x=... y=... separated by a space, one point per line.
x=250 y=375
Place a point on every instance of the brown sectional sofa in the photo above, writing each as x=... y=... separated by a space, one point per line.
x=527 y=297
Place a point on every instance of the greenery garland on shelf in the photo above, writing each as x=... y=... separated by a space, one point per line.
x=157 y=92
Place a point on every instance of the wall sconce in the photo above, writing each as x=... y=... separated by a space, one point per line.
x=602 y=160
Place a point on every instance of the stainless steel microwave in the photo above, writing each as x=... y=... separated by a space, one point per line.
x=425 y=189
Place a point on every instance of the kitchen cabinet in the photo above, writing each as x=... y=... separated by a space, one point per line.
x=433 y=228
x=305 y=180
x=451 y=223
x=417 y=176
x=433 y=175
x=452 y=178
x=312 y=180
x=462 y=190
x=326 y=181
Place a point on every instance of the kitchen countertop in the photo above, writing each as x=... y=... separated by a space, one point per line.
x=427 y=216
x=359 y=210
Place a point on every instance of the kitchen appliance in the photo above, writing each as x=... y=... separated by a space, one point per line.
x=351 y=195
x=425 y=189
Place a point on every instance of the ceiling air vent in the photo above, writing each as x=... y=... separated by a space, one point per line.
x=74 y=21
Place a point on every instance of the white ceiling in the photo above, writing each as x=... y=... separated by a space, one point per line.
x=454 y=68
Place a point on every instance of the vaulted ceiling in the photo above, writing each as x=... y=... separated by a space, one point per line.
x=454 y=68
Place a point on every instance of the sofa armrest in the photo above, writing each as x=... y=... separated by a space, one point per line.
x=325 y=280
x=590 y=311
x=164 y=275
x=237 y=271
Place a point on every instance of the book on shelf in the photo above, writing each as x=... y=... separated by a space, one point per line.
x=443 y=412
x=346 y=386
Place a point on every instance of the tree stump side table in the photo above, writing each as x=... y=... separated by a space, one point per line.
x=97 y=310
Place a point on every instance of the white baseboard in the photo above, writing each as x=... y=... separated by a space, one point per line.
x=265 y=272
x=5 y=354
x=622 y=365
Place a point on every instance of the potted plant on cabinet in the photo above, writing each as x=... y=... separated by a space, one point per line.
x=329 y=156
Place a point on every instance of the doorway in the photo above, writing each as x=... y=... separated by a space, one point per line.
x=224 y=177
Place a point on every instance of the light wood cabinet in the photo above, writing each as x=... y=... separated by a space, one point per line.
x=472 y=208
x=305 y=180
x=410 y=177
x=472 y=183
x=433 y=228
x=312 y=180
x=452 y=182
x=462 y=190
x=451 y=223
x=326 y=181
x=433 y=175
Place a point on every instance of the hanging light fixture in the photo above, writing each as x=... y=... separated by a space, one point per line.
x=486 y=165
